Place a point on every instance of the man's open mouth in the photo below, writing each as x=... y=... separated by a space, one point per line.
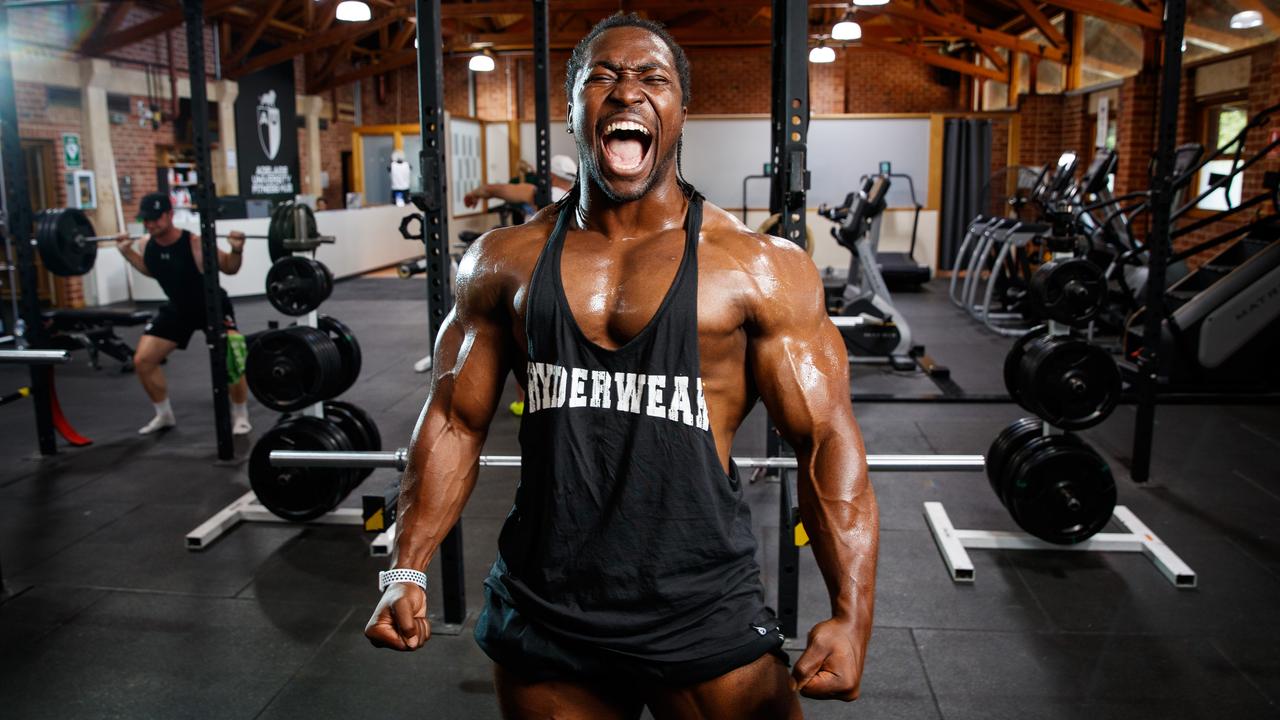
x=625 y=145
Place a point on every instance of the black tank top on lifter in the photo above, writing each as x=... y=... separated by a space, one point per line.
x=626 y=533
x=174 y=267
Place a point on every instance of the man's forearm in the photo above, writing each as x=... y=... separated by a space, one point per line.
x=231 y=261
x=840 y=514
x=133 y=258
x=443 y=464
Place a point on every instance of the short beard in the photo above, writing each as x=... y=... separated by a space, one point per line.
x=592 y=172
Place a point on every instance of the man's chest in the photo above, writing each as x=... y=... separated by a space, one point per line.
x=613 y=297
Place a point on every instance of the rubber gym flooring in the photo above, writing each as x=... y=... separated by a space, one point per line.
x=109 y=615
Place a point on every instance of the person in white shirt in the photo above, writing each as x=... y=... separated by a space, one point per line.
x=400 y=178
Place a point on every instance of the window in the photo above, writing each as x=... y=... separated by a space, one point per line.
x=1222 y=122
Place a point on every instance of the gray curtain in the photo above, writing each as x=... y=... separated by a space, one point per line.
x=966 y=173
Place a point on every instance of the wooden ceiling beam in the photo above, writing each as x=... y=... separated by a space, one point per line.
x=919 y=52
x=990 y=53
x=340 y=53
x=316 y=41
x=958 y=25
x=522 y=7
x=1043 y=24
x=1104 y=10
x=150 y=27
x=255 y=33
x=107 y=23
x=389 y=62
x=407 y=30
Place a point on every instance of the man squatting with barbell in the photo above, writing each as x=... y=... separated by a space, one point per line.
x=174 y=258
x=644 y=323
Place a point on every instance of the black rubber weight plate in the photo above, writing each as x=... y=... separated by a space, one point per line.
x=348 y=347
x=358 y=428
x=1008 y=442
x=1014 y=359
x=298 y=494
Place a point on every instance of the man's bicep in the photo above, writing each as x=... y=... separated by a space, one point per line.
x=798 y=358
x=472 y=360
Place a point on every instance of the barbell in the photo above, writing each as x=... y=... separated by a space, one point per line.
x=399 y=459
x=68 y=245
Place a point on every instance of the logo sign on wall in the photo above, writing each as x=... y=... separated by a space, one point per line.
x=266 y=133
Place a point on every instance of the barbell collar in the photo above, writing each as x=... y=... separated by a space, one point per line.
x=399 y=460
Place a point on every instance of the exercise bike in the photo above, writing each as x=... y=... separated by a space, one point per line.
x=873 y=329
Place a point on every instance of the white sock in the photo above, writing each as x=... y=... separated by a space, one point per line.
x=164 y=409
x=163 y=419
x=240 y=419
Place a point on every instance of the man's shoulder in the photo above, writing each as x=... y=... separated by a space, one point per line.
x=511 y=249
x=730 y=240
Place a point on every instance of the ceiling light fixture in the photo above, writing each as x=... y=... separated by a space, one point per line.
x=1245 y=20
x=847 y=29
x=822 y=53
x=353 y=11
x=870 y=3
x=482 y=62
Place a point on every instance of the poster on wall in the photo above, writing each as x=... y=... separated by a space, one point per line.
x=267 y=133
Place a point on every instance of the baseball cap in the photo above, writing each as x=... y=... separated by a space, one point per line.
x=154 y=205
x=564 y=166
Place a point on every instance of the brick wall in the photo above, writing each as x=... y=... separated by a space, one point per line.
x=1040 y=140
x=134 y=146
x=880 y=82
x=155 y=50
x=1264 y=91
x=40 y=120
x=1000 y=188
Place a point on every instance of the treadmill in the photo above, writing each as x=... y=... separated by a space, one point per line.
x=900 y=270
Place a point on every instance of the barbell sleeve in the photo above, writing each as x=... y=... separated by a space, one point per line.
x=34 y=357
x=399 y=459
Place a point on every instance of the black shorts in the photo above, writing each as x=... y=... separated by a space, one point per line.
x=173 y=324
x=526 y=650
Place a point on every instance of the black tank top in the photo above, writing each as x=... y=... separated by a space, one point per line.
x=626 y=531
x=174 y=267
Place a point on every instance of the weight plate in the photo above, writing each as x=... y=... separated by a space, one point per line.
x=358 y=426
x=1059 y=489
x=282 y=228
x=1014 y=359
x=1010 y=440
x=1071 y=291
x=291 y=368
x=296 y=285
x=348 y=347
x=60 y=240
x=300 y=494
x=1069 y=383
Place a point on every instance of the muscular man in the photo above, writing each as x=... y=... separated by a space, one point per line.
x=173 y=257
x=645 y=323
x=564 y=171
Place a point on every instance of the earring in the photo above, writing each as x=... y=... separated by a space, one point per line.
x=569 y=130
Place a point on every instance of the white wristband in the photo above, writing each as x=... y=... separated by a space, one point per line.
x=387 y=577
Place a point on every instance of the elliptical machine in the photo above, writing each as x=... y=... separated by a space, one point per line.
x=873 y=329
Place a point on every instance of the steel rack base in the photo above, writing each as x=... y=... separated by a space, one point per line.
x=246 y=508
x=952 y=543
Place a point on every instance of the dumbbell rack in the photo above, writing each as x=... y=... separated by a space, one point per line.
x=247 y=508
x=953 y=543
